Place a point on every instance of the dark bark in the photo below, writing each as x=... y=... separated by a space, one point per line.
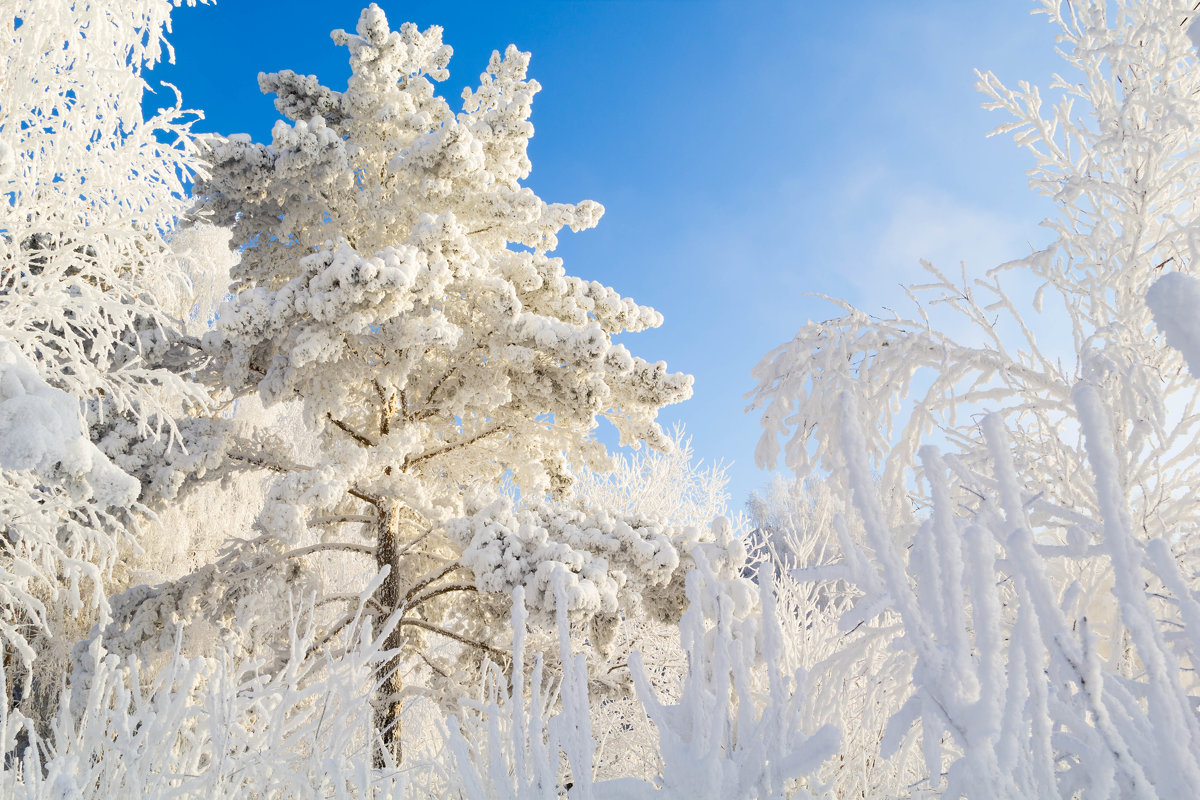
x=387 y=701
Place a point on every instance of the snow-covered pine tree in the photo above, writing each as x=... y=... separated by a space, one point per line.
x=395 y=281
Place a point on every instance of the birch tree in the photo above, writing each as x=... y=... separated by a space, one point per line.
x=90 y=356
x=1020 y=605
x=1117 y=153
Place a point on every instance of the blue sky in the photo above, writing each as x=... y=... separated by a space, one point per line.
x=747 y=153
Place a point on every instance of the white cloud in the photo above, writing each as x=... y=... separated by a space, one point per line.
x=936 y=227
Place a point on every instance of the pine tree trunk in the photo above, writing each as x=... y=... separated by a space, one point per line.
x=387 y=699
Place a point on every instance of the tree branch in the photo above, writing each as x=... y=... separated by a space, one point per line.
x=423 y=582
x=454 y=587
x=428 y=454
x=263 y=463
x=300 y=552
x=366 y=498
x=458 y=637
x=385 y=409
x=353 y=434
x=446 y=376
x=348 y=597
x=342 y=519
x=415 y=542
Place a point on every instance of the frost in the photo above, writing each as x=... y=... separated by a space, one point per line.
x=8 y=161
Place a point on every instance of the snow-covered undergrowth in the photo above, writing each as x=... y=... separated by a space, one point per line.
x=226 y=725
x=217 y=726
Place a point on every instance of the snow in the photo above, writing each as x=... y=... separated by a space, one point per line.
x=41 y=430
x=1174 y=299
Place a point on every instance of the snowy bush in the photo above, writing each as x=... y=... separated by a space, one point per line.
x=735 y=730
